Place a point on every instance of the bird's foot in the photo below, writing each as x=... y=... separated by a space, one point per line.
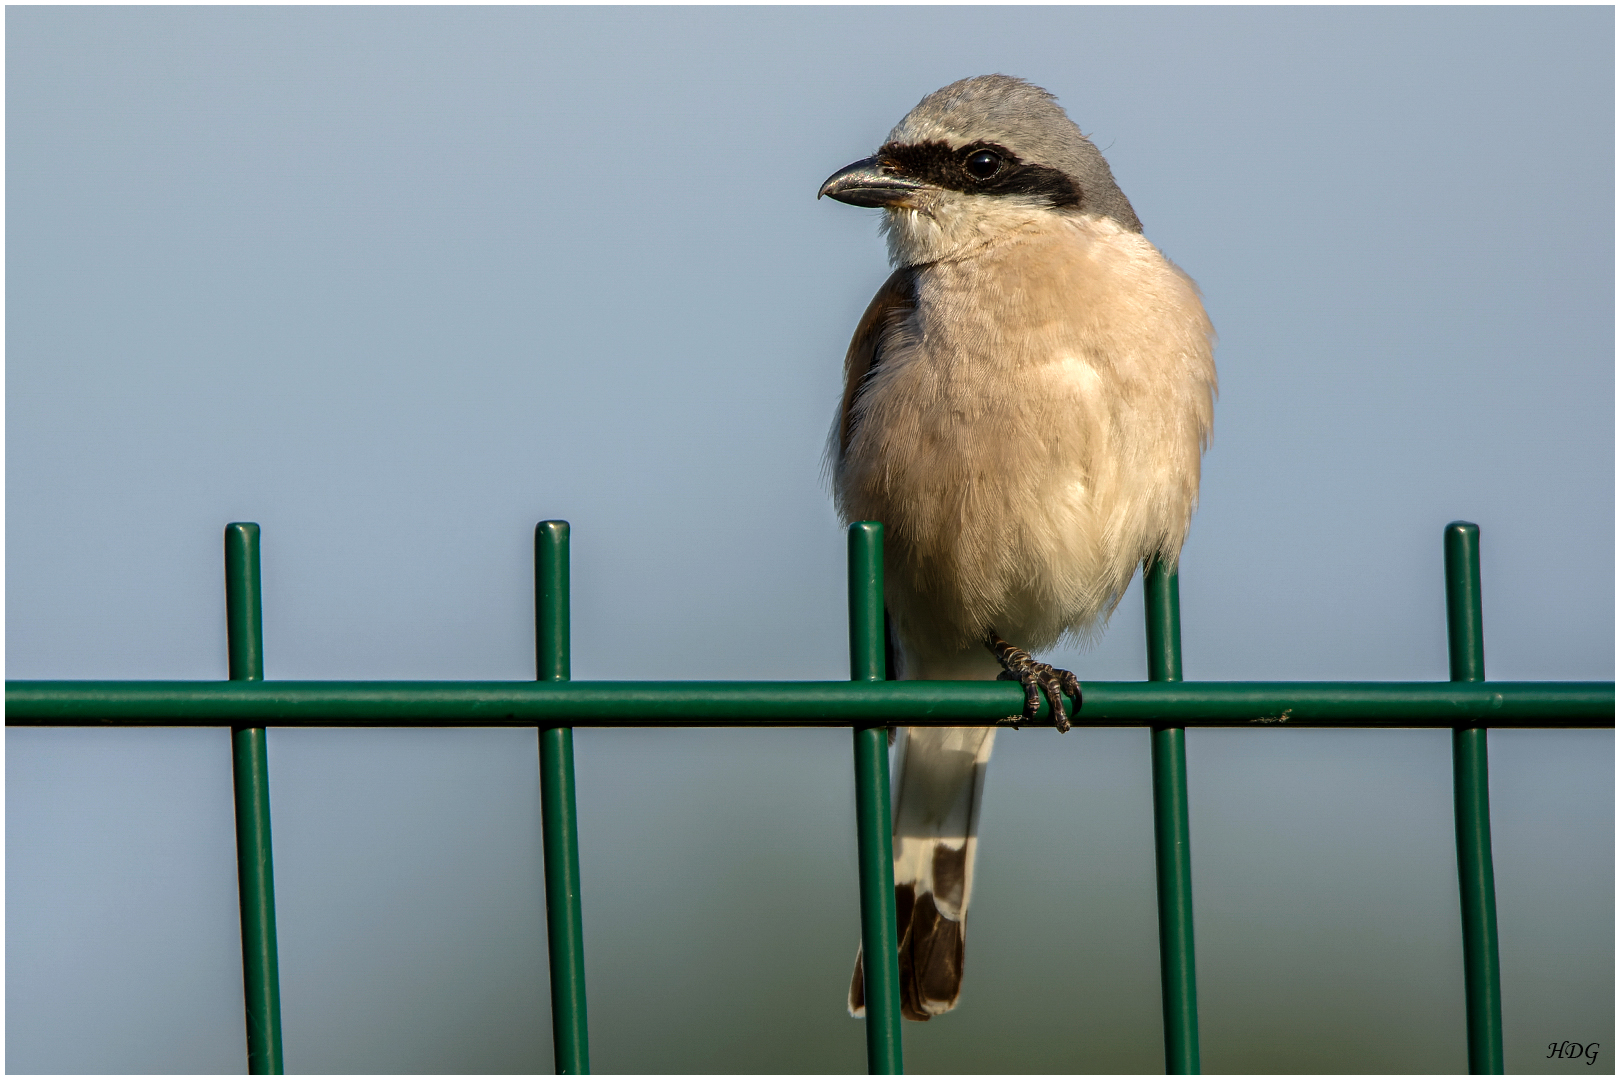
x=1018 y=666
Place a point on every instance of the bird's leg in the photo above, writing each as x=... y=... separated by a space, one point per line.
x=1018 y=666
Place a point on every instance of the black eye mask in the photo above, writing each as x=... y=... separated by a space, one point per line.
x=960 y=170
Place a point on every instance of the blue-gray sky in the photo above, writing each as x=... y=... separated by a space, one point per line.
x=398 y=283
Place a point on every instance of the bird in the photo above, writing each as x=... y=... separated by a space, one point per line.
x=1026 y=403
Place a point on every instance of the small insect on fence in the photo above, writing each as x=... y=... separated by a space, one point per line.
x=868 y=703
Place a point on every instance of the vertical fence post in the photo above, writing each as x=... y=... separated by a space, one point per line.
x=1476 y=876
x=1178 y=973
x=255 y=871
x=879 y=949
x=565 y=936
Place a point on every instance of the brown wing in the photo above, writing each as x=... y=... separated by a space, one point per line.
x=893 y=302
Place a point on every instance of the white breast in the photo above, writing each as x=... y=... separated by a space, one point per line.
x=1031 y=435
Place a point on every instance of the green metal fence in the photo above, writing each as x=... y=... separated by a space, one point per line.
x=866 y=704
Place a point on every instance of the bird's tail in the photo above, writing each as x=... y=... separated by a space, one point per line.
x=938 y=787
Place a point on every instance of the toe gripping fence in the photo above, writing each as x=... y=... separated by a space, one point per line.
x=867 y=704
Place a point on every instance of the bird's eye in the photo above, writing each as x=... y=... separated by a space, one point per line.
x=983 y=165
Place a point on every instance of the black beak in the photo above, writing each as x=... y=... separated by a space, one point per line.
x=866 y=184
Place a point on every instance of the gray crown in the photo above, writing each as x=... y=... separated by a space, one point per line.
x=1026 y=120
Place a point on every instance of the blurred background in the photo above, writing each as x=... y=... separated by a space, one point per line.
x=396 y=283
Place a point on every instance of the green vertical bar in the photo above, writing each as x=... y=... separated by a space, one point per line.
x=879 y=945
x=1178 y=973
x=255 y=871
x=1476 y=876
x=866 y=637
x=565 y=936
x=1465 y=619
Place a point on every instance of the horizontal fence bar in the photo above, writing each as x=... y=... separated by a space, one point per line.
x=801 y=704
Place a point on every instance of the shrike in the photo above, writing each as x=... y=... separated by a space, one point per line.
x=1025 y=404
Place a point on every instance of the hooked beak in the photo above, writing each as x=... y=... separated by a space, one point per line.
x=866 y=184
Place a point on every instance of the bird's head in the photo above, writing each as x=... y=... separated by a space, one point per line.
x=973 y=160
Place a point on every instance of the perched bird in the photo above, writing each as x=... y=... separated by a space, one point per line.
x=1025 y=404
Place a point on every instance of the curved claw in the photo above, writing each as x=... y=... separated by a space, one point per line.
x=1071 y=686
x=1047 y=674
x=1032 y=694
x=1037 y=679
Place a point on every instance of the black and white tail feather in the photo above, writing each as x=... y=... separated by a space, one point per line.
x=938 y=791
